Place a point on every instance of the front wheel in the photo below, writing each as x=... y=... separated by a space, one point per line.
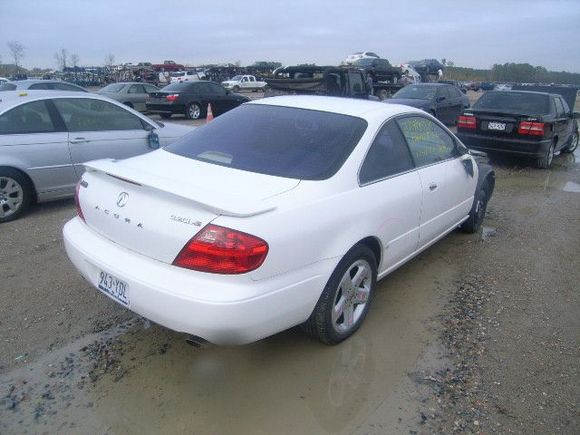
x=345 y=300
x=573 y=144
x=193 y=111
x=15 y=194
x=477 y=213
x=236 y=89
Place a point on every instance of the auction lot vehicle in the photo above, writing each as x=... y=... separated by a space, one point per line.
x=192 y=98
x=290 y=223
x=445 y=102
x=132 y=94
x=44 y=85
x=45 y=137
x=379 y=69
x=183 y=76
x=527 y=123
x=244 y=82
x=352 y=58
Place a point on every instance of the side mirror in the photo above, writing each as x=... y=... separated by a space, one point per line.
x=153 y=140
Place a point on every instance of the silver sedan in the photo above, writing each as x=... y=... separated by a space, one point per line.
x=132 y=94
x=46 y=136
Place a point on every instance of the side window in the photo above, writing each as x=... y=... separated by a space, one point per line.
x=356 y=83
x=150 y=89
x=428 y=142
x=388 y=155
x=84 y=114
x=37 y=86
x=216 y=89
x=136 y=89
x=65 y=87
x=27 y=118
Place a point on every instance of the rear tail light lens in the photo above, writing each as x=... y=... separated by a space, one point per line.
x=172 y=97
x=222 y=250
x=530 y=128
x=77 y=202
x=466 y=122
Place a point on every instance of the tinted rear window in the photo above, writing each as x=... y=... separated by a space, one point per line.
x=7 y=87
x=280 y=141
x=179 y=87
x=520 y=102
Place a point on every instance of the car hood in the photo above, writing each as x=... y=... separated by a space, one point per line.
x=413 y=102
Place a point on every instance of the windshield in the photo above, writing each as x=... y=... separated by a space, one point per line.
x=236 y=78
x=415 y=92
x=280 y=141
x=115 y=87
x=508 y=101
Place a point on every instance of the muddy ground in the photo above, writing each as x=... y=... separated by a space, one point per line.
x=478 y=334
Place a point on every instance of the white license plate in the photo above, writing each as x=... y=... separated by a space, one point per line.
x=113 y=287
x=496 y=126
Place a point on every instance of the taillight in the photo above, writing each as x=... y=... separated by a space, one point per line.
x=77 y=202
x=466 y=122
x=172 y=97
x=222 y=250
x=531 y=128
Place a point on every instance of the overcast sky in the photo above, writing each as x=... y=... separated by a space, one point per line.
x=470 y=33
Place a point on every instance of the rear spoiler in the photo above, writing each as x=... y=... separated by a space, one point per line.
x=226 y=205
x=567 y=92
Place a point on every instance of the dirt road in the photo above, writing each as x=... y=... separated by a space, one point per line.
x=478 y=334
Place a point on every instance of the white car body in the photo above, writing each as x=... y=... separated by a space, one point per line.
x=244 y=82
x=183 y=76
x=308 y=226
x=360 y=55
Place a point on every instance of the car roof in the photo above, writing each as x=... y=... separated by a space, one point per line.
x=14 y=98
x=345 y=106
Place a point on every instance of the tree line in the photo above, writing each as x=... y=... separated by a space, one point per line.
x=513 y=72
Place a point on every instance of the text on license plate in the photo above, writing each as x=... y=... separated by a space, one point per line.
x=114 y=287
x=496 y=126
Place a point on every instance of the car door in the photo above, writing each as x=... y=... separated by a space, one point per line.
x=33 y=138
x=100 y=129
x=563 y=122
x=456 y=99
x=391 y=184
x=222 y=99
x=444 y=105
x=447 y=183
x=136 y=95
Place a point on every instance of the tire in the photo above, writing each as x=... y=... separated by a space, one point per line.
x=193 y=111
x=236 y=89
x=545 y=161
x=165 y=115
x=337 y=314
x=16 y=194
x=570 y=148
x=478 y=209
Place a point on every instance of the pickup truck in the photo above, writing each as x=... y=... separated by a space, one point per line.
x=245 y=83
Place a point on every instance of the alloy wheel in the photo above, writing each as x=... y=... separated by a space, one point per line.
x=11 y=196
x=351 y=296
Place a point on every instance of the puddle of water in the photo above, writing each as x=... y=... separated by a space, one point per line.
x=570 y=186
x=288 y=383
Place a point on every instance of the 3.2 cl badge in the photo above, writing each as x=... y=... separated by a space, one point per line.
x=122 y=200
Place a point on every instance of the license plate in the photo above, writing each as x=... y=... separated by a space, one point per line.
x=114 y=287
x=496 y=126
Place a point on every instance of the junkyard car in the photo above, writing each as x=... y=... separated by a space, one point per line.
x=46 y=136
x=283 y=211
x=40 y=85
x=132 y=94
x=525 y=123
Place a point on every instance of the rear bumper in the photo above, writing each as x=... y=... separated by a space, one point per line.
x=165 y=108
x=495 y=144
x=193 y=302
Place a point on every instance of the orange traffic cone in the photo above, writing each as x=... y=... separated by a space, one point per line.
x=209 y=116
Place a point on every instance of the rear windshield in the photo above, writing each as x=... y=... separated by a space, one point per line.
x=417 y=92
x=280 y=141
x=178 y=87
x=520 y=102
x=7 y=87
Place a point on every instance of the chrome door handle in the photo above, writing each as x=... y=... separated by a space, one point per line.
x=79 y=140
x=432 y=186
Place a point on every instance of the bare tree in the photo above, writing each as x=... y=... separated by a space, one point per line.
x=61 y=58
x=109 y=59
x=17 y=51
x=74 y=60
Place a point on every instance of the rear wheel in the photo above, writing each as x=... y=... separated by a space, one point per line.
x=573 y=144
x=165 y=115
x=477 y=213
x=345 y=301
x=15 y=194
x=193 y=111
x=545 y=161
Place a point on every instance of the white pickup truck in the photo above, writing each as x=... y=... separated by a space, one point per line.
x=244 y=82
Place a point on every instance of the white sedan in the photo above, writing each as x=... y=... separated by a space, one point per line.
x=281 y=212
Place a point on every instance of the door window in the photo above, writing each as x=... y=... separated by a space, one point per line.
x=428 y=142
x=150 y=89
x=136 y=89
x=27 y=118
x=356 y=83
x=65 y=87
x=37 y=86
x=216 y=89
x=84 y=114
x=387 y=156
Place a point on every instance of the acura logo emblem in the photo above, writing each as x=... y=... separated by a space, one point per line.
x=122 y=200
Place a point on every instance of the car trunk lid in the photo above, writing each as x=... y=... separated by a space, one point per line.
x=500 y=123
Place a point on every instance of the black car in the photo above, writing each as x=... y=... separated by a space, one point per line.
x=379 y=69
x=192 y=98
x=443 y=101
x=527 y=123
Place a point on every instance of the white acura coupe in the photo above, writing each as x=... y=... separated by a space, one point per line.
x=281 y=212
